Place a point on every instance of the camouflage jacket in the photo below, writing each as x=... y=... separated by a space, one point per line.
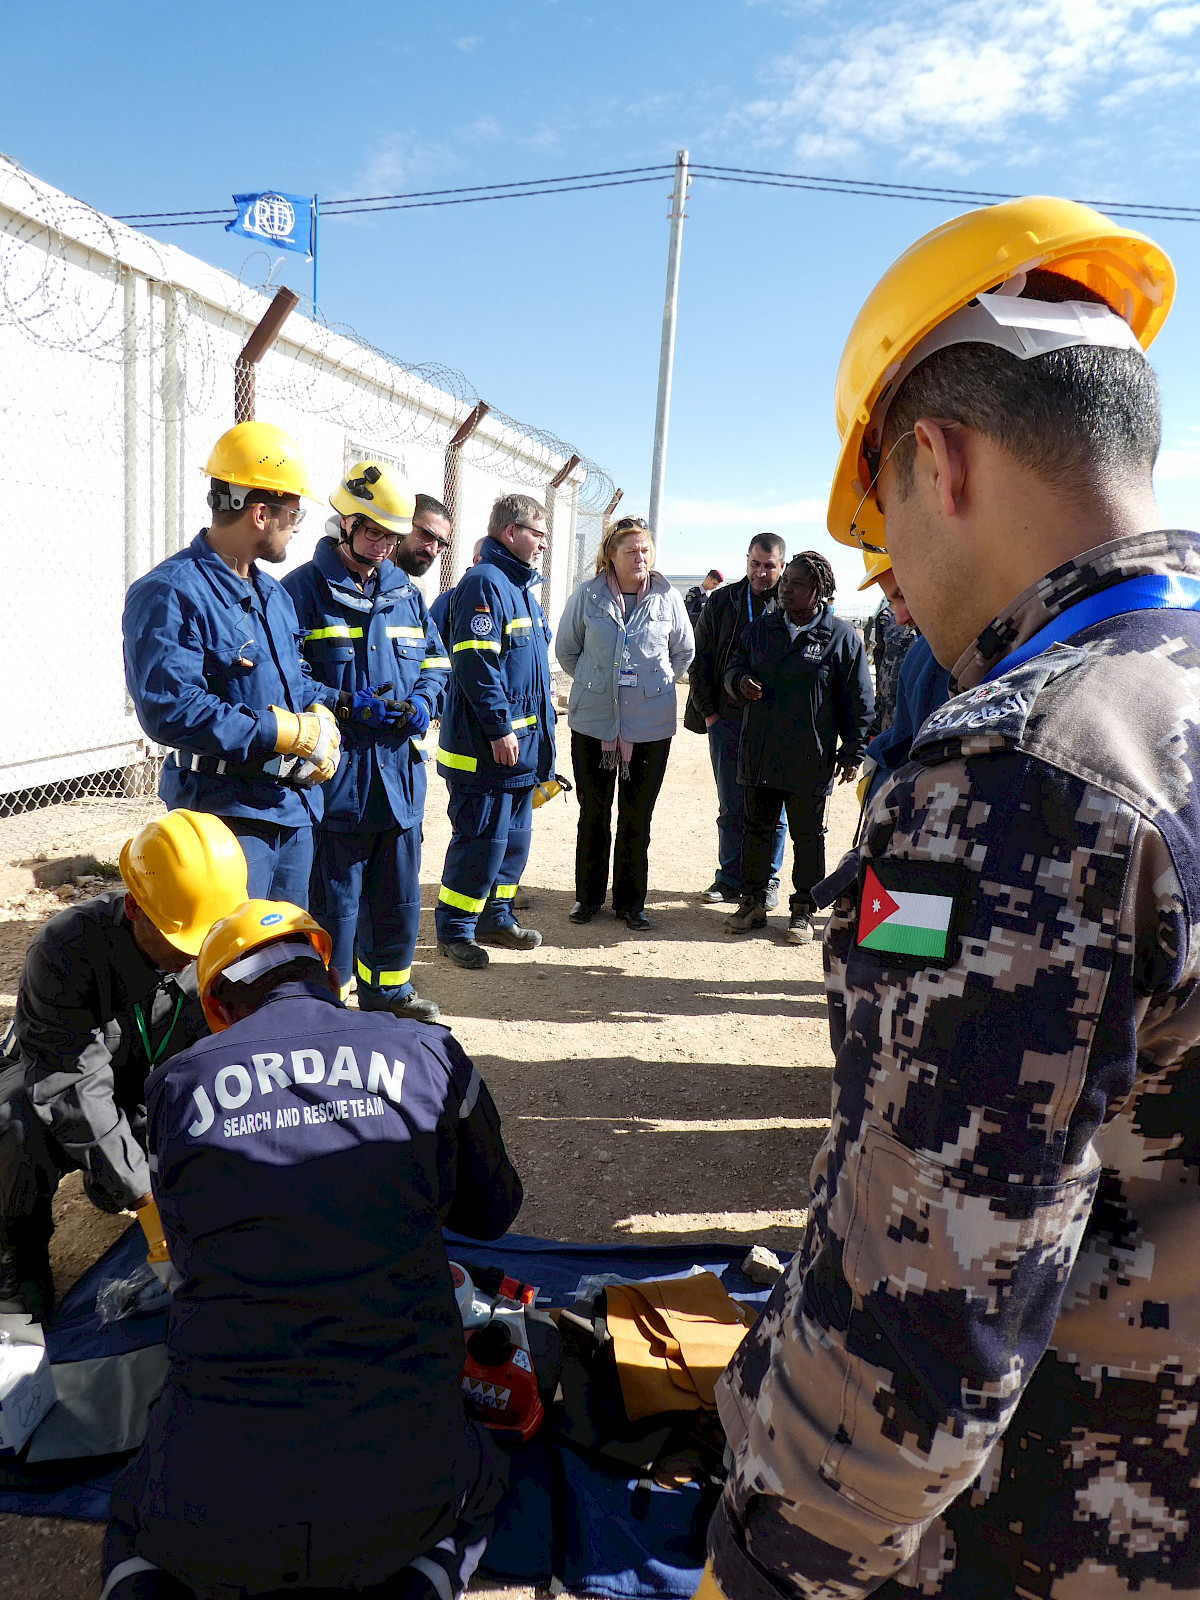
x=979 y=1374
x=891 y=642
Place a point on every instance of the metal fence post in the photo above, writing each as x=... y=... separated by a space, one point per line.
x=450 y=490
x=255 y=348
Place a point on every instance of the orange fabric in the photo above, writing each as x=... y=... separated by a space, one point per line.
x=672 y=1340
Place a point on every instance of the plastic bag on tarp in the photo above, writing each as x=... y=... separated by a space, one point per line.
x=141 y=1294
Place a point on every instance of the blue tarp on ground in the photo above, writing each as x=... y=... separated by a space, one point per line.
x=609 y=1550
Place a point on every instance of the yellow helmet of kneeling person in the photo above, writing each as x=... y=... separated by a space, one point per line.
x=273 y=931
x=185 y=870
x=374 y=490
x=877 y=562
x=978 y=253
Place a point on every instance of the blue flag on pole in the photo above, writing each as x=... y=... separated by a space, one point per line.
x=283 y=220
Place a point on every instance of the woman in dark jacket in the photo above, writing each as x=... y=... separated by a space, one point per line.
x=802 y=676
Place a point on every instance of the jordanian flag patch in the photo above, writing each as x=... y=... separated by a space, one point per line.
x=908 y=912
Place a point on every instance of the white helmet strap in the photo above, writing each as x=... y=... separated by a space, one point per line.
x=272 y=955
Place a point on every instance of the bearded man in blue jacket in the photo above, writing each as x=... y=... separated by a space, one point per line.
x=366 y=633
x=497 y=735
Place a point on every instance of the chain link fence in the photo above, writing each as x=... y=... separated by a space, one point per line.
x=118 y=357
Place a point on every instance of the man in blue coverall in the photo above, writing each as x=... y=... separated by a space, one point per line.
x=497 y=735
x=215 y=673
x=310 y=1432
x=368 y=635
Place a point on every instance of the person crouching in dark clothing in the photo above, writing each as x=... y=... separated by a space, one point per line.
x=310 y=1430
x=803 y=680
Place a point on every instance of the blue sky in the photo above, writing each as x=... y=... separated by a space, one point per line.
x=552 y=306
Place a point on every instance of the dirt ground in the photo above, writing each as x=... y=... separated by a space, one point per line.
x=658 y=1086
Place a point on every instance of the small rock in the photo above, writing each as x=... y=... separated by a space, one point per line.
x=603 y=1155
x=543 y=974
x=762 y=1266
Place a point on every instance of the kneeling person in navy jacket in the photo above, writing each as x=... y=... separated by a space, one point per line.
x=310 y=1431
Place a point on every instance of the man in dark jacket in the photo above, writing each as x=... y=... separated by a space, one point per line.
x=108 y=989
x=697 y=596
x=497 y=735
x=311 y=1430
x=802 y=675
x=366 y=633
x=710 y=710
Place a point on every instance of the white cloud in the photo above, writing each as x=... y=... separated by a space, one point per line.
x=1179 y=462
x=737 y=514
x=953 y=78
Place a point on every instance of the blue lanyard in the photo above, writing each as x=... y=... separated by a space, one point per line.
x=1167 y=593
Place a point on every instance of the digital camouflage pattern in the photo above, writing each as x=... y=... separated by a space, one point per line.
x=890 y=644
x=979 y=1375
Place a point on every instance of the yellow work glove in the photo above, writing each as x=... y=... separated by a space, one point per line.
x=157 y=1255
x=296 y=735
x=870 y=768
x=322 y=761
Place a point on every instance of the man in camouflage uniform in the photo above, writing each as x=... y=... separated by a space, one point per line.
x=979 y=1375
x=890 y=641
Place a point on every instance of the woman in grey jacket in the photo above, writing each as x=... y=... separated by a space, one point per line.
x=624 y=640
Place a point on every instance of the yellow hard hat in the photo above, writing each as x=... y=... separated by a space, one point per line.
x=371 y=489
x=251 y=927
x=877 y=562
x=942 y=272
x=258 y=455
x=184 y=870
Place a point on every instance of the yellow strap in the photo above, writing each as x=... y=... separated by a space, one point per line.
x=524 y=722
x=406 y=633
x=435 y=661
x=339 y=630
x=505 y=891
x=382 y=980
x=518 y=622
x=478 y=644
x=447 y=758
x=462 y=902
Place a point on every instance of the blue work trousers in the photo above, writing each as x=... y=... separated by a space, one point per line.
x=723 y=739
x=366 y=894
x=278 y=860
x=485 y=859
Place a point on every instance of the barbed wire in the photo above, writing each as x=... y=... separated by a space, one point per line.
x=380 y=395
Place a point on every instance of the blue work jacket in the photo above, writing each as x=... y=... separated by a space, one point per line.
x=499 y=654
x=304 y=1162
x=206 y=654
x=353 y=640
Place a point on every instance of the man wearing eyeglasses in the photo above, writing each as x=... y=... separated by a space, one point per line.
x=497 y=735
x=215 y=673
x=368 y=636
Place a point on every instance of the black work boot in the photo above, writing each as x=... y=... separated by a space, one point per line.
x=510 y=936
x=464 y=953
x=26 y=1282
x=750 y=914
x=413 y=1007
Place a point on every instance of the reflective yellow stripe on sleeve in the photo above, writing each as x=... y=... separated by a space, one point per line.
x=448 y=758
x=524 y=722
x=406 y=633
x=461 y=902
x=380 y=979
x=339 y=630
x=477 y=644
x=435 y=661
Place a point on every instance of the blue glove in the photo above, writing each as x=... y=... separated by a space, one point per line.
x=368 y=707
x=418 y=720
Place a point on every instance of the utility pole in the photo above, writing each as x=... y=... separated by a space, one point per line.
x=666 y=356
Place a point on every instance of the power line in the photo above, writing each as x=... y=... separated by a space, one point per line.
x=615 y=178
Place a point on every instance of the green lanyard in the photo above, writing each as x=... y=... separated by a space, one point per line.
x=155 y=1056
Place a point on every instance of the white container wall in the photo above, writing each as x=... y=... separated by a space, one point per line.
x=117 y=361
